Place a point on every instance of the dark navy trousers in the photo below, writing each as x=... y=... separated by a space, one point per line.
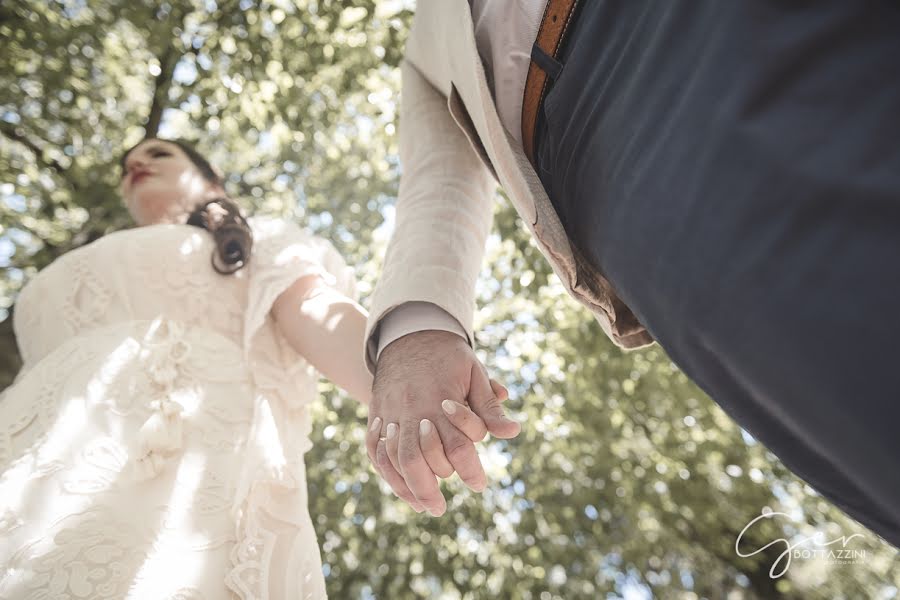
x=733 y=169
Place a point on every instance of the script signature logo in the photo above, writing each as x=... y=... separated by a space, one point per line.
x=821 y=547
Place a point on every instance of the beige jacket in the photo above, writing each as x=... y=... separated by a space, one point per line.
x=453 y=152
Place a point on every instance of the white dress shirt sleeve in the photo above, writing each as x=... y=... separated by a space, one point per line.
x=411 y=317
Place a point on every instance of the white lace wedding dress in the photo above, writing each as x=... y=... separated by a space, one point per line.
x=152 y=446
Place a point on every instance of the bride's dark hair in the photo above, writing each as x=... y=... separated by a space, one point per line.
x=220 y=216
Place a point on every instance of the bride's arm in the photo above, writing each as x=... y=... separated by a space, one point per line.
x=327 y=328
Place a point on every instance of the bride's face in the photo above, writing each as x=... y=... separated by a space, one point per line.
x=160 y=184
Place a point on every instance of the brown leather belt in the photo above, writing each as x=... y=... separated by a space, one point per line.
x=554 y=25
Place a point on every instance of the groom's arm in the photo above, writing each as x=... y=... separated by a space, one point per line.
x=443 y=217
x=443 y=214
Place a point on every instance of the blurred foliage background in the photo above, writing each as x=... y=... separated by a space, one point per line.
x=627 y=481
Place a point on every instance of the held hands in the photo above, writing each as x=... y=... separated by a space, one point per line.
x=431 y=401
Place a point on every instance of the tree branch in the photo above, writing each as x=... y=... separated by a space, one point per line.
x=16 y=135
x=10 y=361
x=167 y=64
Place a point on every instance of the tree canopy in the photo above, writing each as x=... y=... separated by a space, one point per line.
x=627 y=481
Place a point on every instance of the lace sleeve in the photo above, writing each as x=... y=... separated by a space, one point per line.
x=283 y=253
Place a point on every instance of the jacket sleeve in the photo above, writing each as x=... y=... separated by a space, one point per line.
x=443 y=213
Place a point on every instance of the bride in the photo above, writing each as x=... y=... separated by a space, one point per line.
x=152 y=445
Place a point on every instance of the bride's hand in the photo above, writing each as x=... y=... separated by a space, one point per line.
x=461 y=417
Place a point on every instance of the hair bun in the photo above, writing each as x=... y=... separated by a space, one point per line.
x=234 y=239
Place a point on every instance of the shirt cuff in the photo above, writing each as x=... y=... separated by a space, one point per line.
x=411 y=317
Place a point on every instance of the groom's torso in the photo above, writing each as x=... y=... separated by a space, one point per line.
x=443 y=48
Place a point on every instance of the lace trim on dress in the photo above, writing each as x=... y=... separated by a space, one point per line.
x=273 y=470
x=252 y=553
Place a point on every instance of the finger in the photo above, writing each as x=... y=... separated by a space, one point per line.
x=500 y=392
x=392 y=442
x=372 y=435
x=460 y=451
x=433 y=450
x=464 y=420
x=486 y=405
x=393 y=478
x=416 y=471
x=497 y=388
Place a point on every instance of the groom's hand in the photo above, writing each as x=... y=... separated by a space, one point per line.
x=413 y=376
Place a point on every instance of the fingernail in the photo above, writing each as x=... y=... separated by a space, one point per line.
x=376 y=424
x=449 y=407
x=479 y=487
x=424 y=427
x=391 y=430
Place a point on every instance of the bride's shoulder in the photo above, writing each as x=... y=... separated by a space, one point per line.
x=285 y=238
x=268 y=229
x=266 y=225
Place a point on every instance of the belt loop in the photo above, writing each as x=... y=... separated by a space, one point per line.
x=554 y=25
x=550 y=65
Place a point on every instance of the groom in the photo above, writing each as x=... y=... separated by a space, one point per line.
x=723 y=178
